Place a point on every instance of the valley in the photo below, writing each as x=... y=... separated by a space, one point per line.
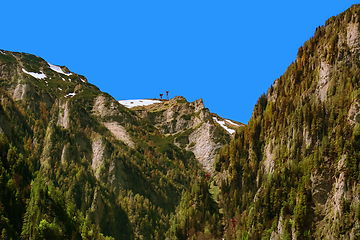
x=76 y=163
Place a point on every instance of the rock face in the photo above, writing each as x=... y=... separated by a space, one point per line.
x=190 y=124
x=63 y=119
x=98 y=148
x=353 y=36
x=354 y=113
x=120 y=133
x=98 y=153
x=324 y=77
x=202 y=142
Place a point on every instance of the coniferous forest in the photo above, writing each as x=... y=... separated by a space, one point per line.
x=291 y=173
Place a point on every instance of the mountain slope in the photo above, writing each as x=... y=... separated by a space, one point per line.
x=75 y=163
x=94 y=153
x=190 y=126
x=293 y=171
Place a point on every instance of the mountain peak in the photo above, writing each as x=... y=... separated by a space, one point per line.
x=190 y=125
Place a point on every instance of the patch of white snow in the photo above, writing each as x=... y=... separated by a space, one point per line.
x=63 y=79
x=35 y=75
x=2 y=52
x=222 y=124
x=231 y=122
x=58 y=69
x=83 y=80
x=138 y=102
x=59 y=88
x=70 y=94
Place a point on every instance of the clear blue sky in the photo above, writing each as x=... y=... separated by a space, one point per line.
x=226 y=52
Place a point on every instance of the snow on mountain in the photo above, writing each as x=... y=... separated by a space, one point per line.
x=138 y=102
x=222 y=124
x=58 y=69
x=70 y=94
x=35 y=75
x=231 y=122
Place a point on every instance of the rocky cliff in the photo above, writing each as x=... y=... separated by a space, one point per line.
x=190 y=126
x=75 y=163
x=93 y=154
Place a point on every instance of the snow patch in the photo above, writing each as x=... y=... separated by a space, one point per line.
x=59 y=88
x=35 y=75
x=63 y=79
x=58 y=69
x=2 y=52
x=83 y=80
x=138 y=102
x=231 y=122
x=70 y=94
x=222 y=124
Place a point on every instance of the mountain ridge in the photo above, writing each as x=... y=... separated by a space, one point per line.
x=75 y=163
x=294 y=165
x=191 y=124
x=93 y=154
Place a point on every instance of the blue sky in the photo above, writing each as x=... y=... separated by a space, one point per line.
x=226 y=52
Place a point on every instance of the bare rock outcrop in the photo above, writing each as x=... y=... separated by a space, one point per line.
x=353 y=36
x=21 y=91
x=65 y=153
x=191 y=124
x=269 y=162
x=107 y=108
x=202 y=143
x=63 y=118
x=98 y=152
x=324 y=79
x=120 y=133
x=354 y=113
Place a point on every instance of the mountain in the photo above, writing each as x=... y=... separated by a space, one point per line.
x=293 y=171
x=75 y=163
x=190 y=126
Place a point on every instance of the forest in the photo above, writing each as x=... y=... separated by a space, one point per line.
x=291 y=173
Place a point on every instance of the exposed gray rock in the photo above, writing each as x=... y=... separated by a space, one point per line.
x=354 y=113
x=205 y=147
x=192 y=125
x=104 y=107
x=353 y=36
x=269 y=162
x=65 y=154
x=324 y=79
x=63 y=119
x=98 y=149
x=21 y=91
x=120 y=133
